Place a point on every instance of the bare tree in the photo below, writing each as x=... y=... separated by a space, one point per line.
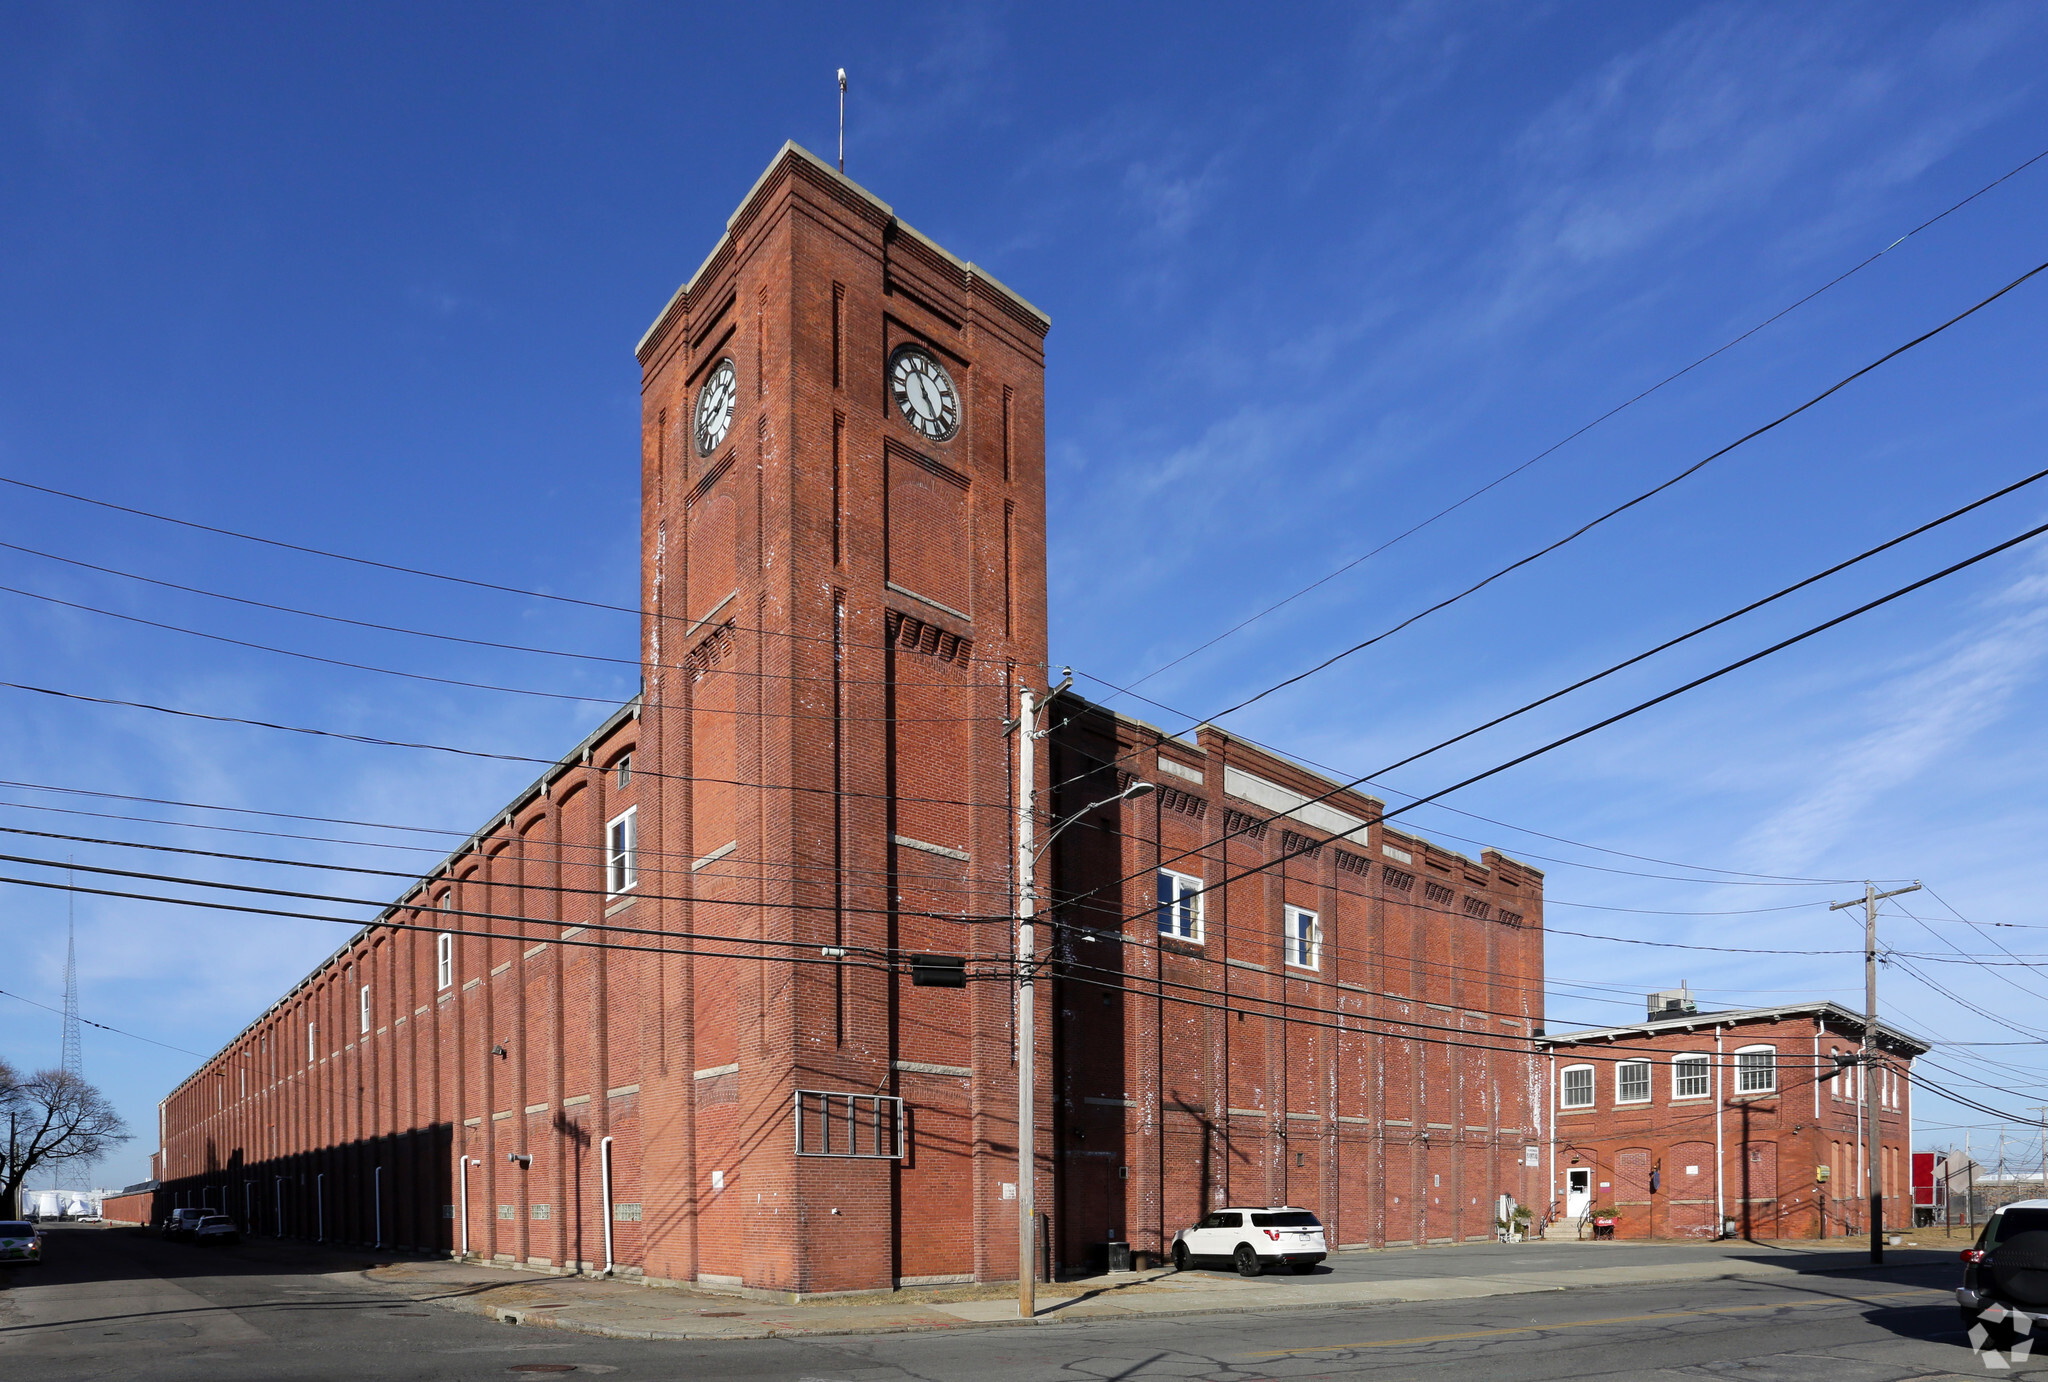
x=53 y=1118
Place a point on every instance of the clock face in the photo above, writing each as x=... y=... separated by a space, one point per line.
x=924 y=392
x=715 y=404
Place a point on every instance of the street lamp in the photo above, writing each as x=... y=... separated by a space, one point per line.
x=1027 y=954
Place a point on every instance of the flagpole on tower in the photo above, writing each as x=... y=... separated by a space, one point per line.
x=842 y=120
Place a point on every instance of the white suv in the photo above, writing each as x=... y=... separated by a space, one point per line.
x=1253 y=1239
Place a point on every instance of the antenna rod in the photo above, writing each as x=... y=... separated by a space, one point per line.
x=73 y=1061
x=842 y=120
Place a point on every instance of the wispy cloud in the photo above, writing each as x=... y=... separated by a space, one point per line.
x=1919 y=716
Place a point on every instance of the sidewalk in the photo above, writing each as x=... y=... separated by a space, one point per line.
x=623 y=1310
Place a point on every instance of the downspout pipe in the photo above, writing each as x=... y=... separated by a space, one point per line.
x=604 y=1164
x=1554 y=1191
x=1720 y=1156
x=462 y=1162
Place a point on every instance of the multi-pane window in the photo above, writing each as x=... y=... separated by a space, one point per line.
x=621 y=867
x=1689 y=1077
x=363 y=1009
x=1632 y=1082
x=1304 y=939
x=444 y=961
x=1180 y=906
x=312 y=1032
x=1756 y=1070
x=1577 y=1090
x=625 y=770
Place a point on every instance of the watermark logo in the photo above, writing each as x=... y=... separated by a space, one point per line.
x=2002 y=1337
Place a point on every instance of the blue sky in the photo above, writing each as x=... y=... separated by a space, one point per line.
x=368 y=278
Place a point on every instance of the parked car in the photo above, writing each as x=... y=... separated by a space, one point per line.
x=2009 y=1268
x=1253 y=1239
x=183 y=1221
x=216 y=1230
x=20 y=1241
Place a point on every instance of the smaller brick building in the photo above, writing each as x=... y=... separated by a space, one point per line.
x=1690 y=1124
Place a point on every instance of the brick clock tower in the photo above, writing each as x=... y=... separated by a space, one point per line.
x=843 y=569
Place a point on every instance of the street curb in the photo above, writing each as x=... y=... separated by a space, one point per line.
x=534 y=1319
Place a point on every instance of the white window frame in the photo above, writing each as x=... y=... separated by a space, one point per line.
x=623 y=770
x=444 y=962
x=1700 y=1063
x=1622 y=1066
x=1183 y=904
x=1303 y=943
x=1564 y=1087
x=363 y=1010
x=622 y=863
x=1743 y=1071
x=312 y=1036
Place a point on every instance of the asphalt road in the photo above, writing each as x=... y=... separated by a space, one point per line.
x=114 y=1305
x=1478 y=1259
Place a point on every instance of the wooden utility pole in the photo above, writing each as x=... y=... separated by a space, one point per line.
x=1873 y=1173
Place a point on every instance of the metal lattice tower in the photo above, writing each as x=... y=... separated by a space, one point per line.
x=74 y=1057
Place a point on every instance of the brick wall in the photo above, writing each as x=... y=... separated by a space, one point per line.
x=838 y=613
x=1751 y=1157
x=1389 y=1085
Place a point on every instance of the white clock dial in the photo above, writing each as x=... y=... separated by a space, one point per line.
x=924 y=392
x=715 y=404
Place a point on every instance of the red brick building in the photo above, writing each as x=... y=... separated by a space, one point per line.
x=658 y=1012
x=1691 y=1120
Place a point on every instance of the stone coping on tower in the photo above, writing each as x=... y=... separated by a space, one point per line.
x=973 y=275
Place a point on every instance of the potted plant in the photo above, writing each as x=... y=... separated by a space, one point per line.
x=1515 y=1227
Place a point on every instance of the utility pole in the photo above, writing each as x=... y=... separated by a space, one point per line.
x=1028 y=850
x=2041 y=1112
x=1027 y=1033
x=1873 y=1175
x=1970 y=1185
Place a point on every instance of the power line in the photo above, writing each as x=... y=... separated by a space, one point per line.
x=731 y=672
x=379 y=742
x=417 y=571
x=1659 y=699
x=1647 y=494
x=697 y=707
x=1575 y=435
x=1623 y=507
x=103 y=1026
x=440 y=922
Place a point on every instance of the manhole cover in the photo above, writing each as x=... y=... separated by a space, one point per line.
x=542 y=1367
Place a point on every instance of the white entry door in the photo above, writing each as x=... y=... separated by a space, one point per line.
x=1578 y=1191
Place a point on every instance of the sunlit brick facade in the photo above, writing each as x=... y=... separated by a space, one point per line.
x=816 y=784
x=1683 y=1124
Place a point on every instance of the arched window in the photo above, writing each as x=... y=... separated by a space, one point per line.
x=1756 y=1070
x=1576 y=1087
x=1689 y=1077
